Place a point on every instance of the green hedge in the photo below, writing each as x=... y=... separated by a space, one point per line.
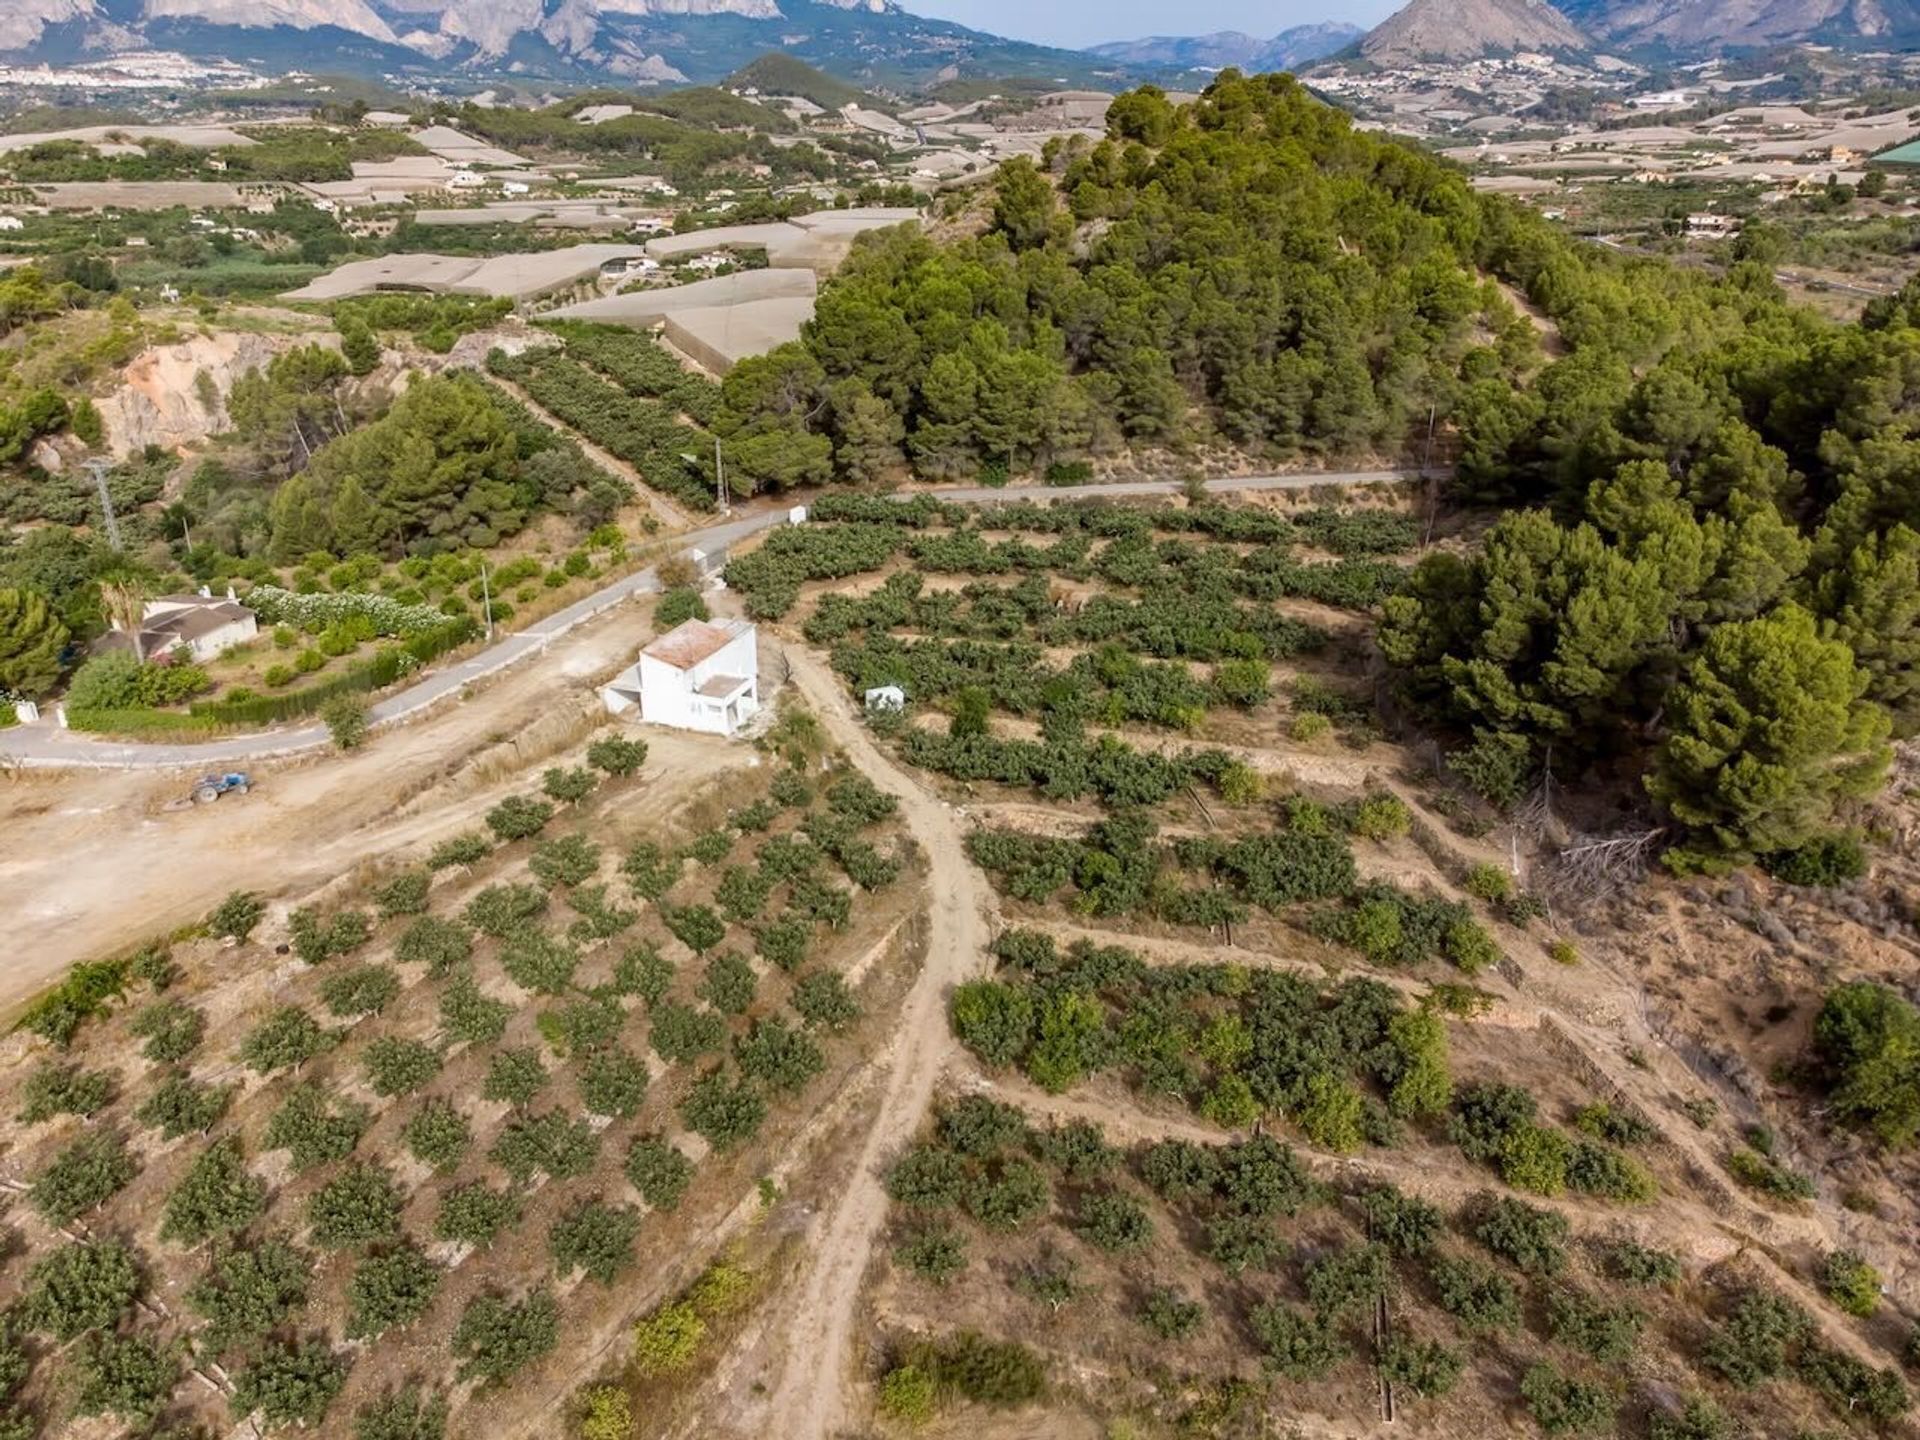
x=386 y=666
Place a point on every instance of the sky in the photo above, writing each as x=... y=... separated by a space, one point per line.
x=1087 y=22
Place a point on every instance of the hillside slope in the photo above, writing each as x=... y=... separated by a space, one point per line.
x=1469 y=29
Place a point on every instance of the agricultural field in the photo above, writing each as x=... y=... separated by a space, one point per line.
x=436 y=1134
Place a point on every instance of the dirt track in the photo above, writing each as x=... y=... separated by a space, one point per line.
x=809 y=1400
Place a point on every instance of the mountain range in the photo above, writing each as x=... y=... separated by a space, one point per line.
x=877 y=44
x=1661 y=29
x=1291 y=48
x=871 y=42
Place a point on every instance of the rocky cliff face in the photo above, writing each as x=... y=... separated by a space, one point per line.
x=176 y=395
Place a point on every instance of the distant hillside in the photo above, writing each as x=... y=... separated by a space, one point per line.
x=1290 y=48
x=1469 y=29
x=868 y=43
x=778 y=73
x=1692 y=26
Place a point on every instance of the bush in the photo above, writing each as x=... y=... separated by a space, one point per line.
x=1301 y=1347
x=518 y=817
x=346 y=719
x=363 y=990
x=215 y=1197
x=464 y=850
x=315 y=1128
x=440 y=945
x=82 y=1177
x=476 y=1214
x=1476 y=1294
x=291 y=1384
x=235 y=917
x=937 y=1253
x=1170 y=1315
x=400 y=1067
x=1532 y=1239
x=1115 y=1222
x=1420 y=1367
x=437 y=1134
x=616 y=755
x=515 y=1076
x=1563 y=1405
x=1850 y=1283
x=404 y=894
x=78 y=1288
x=390 y=1291
x=1753 y=1343
x=1638 y=1265
x=1866 y=1041
x=907 y=1394
x=180 y=1106
x=55 y=1089
x=407 y=1414
x=286 y=1039
x=677 y=606
x=605 y=1414
x=658 y=1171
x=595 y=1238
x=1489 y=883
x=360 y=1204
x=1592 y=1326
x=250 y=1291
x=496 y=1338
x=1830 y=861
x=569 y=786
x=667 y=1340
x=985 y=1372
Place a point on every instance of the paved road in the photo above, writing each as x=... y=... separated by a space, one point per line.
x=45 y=746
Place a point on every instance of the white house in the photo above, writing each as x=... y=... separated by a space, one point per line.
x=12 y=222
x=203 y=625
x=701 y=675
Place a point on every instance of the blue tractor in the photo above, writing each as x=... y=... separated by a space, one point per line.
x=209 y=788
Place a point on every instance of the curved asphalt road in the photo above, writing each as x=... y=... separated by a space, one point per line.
x=46 y=746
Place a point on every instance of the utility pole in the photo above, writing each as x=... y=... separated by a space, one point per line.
x=486 y=599
x=720 y=476
x=98 y=469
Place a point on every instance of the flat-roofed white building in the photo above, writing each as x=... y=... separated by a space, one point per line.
x=701 y=675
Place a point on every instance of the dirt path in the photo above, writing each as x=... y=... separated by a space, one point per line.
x=670 y=514
x=809 y=1400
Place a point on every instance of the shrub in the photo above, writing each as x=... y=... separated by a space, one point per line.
x=550 y=1142
x=680 y=1034
x=515 y=1076
x=390 y=1291
x=1829 y=861
x=404 y=894
x=605 y=1414
x=1563 y=1405
x=250 y=1291
x=1405 y=1224
x=497 y=1338
x=81 y=1177
x=475 y=1214
x=1866 y=1041
x=667 y=1340
x=1850 y=1283
x=400 y=1067
x=56 y=1089
x=469 y=1016
x=1637 y=1265
x=658 y=1171
x=464 y=850
x=1532 y=1239
x=236 y=916
x=172 y=1031
x=569 y=786
x=363 y=990
x=1593 y=1326
x=1601 y=1170
x=437 y=1134
x=823 y=1001
x=1114 y=1221
x=727 y=1113
x=1752 y=1344
x=936 y=1253
x=518 y=817
x=180 y=1106
x=345 y=717
x=1300 y=1346
x=360 y=1204
x=407 y=1414
x=440 y=945
x=1380 y=817
x=1170 y=1315
x=215 y=1197
x=1476 y=1294
x=613 y=1083
x=78 y=1288
x=616 y=755
x=974 y=1368
x=316 y=940
x=908 y=1394
x=728 y=984
x=285 y=1040
x=1420 y=1367
x=315 y=1128
x=290 y=1384
x=501 y=910
x=595 y=1238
